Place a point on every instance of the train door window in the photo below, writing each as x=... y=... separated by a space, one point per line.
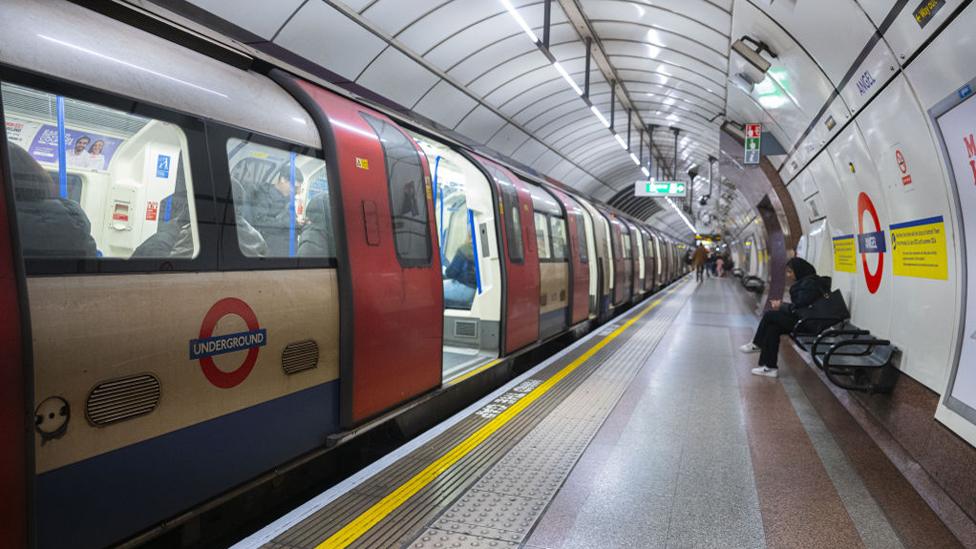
x=581 y=237
x=408 y=199
x=542 y=235
x=281 y=201
x=513 y=224
x=94 y=182
x=625 y=238
x=557 y=226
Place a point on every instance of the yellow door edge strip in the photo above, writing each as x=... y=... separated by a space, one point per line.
x=379 y=510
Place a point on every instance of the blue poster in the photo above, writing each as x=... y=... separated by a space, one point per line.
x=84 y=150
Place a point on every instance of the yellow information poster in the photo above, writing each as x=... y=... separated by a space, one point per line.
x=845 y=254
x=918 y=249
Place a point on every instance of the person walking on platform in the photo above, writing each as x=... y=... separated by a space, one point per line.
x=805 y=291
x=698 y=261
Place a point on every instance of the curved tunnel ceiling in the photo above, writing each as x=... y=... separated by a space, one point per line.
x=470 y=67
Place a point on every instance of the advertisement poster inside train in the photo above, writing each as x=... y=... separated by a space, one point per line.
x=958 y=127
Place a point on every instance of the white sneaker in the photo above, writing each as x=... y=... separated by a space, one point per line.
x=749 y=348
x=764 y=371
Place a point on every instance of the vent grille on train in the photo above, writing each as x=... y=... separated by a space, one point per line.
x=121 y=399
x=34 y=104
x=466 y=328
x=300 y=356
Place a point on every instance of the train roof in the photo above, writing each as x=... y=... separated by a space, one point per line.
x=102 y=53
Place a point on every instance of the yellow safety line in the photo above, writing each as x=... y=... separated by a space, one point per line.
x=475 y=372
x=369 y=518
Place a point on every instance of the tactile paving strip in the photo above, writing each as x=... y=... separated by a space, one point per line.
x=537 y=466
x=401 y=526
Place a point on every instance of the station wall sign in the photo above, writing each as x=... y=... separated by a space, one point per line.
x=660 y=189
x=753 y=142
x=845 y=254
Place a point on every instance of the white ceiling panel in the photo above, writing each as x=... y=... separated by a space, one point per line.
x=393 y=16
x=508 y=139
x=445 y=104
x=397 y=77
x=257 y=16
x=303 y=35
x=480 y=125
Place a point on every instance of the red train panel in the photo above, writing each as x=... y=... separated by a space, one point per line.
x=395 y=352
x=579 y=270
x=522 y=287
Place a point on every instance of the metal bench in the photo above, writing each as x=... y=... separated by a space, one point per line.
x=806 y=331
x=861 y=365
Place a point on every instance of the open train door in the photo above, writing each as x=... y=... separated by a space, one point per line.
x=14 y=430
x=390 y=286
x=521 y=322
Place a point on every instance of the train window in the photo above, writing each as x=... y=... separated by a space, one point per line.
x=626 y=243
x=408 y=200
x=542 y=235
x=557 y=226
x=513 y=222
x=581 y=237
x=281 y=201
x=94 y=182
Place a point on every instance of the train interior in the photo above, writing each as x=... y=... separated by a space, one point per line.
x=469 y=259
x=128 y=173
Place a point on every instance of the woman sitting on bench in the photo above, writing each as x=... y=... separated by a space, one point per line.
x=807 y=289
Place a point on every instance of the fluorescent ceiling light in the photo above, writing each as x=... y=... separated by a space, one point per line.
x=682 y=216
x=596 y=111
x=620 y=140
x=567 y=77
x=634 y=158
x=647 y=173
x=518 y=19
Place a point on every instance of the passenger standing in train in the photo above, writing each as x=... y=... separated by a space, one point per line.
x=271 y=211
x=805 y=291
x=460 y=278
x=49 y=226
x=698 y=261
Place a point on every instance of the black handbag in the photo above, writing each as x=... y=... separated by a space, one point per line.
x=830 y=307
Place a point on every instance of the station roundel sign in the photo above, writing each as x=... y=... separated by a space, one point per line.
x=209 y=345
x=873 y=279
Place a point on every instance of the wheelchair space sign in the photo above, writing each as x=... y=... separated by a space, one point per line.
x=162 y=166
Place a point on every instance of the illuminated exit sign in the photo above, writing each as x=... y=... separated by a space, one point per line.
x=753 y=137
x=659 y=189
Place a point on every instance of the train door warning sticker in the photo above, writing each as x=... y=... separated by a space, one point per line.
x=152 y=210
x=870 y=242
x=845 y=254
x=162 y=166
x=918 y=249
x=209 y=345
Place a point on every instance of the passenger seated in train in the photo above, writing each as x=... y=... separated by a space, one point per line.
x=316 y=239
x=460 y=279
x=50 y=226
x=269 y=210
x=807 y=289
x=174 y=235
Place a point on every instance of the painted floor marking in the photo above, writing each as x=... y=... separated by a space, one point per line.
x=361 y=524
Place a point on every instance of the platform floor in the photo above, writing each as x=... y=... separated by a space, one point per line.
x=649 y=433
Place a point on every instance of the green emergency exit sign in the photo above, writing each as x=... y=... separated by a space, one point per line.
x=660 y=189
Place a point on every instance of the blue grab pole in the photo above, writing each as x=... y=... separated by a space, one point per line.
x=62 y=153
x=474 y=249
x=291 y=208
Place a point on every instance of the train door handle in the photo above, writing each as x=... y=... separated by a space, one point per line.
x=371 y=223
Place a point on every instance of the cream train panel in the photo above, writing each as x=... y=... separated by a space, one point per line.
x=90 y=329
x=554 y=286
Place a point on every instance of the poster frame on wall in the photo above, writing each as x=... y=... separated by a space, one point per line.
x=941 y=108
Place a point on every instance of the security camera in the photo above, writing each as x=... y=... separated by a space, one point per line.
x=703 y=200
x=750 y=65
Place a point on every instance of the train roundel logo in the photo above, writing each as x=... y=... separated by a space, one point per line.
x=870 y=243
x=209 y=345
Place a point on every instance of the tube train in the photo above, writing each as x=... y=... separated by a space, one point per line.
x=216 y=268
